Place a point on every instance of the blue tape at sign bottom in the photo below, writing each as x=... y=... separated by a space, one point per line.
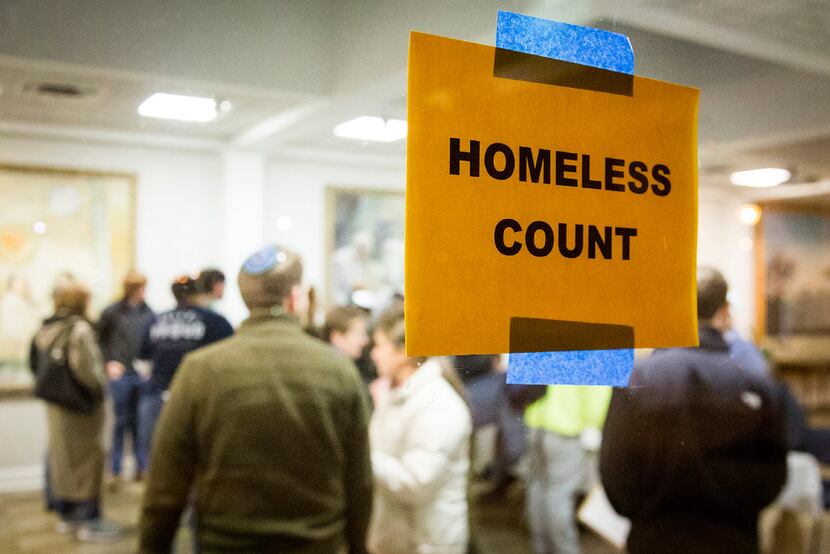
x=596 y=48
x=582 y=367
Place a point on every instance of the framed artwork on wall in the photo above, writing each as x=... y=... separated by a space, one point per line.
x=365 y=253
x=57 y=224
x=793 y=276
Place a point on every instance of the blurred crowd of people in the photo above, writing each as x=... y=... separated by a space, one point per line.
x=280 y=436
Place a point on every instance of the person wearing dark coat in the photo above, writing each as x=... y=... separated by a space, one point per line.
x=696 y=446
x=264 y=434
x=121 y=329
x=172 y=335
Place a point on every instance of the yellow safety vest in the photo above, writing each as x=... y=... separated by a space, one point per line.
x=569 y=409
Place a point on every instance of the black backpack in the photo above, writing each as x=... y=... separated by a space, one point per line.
x=55 y=383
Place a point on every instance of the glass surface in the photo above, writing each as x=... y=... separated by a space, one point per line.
x=702 y=442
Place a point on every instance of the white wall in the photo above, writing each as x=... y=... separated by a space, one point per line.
x=178 y=201
x=726 y=244
x=298 y=190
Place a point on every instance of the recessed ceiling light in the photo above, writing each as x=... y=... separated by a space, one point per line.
x=372 y=128
x=39 y=227
x=749 y=214
x=164 y=105
x=760 y=178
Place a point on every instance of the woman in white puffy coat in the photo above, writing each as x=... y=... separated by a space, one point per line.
x=420 y=435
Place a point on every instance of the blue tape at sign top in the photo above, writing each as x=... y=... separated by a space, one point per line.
x=595 y=48
x=580 y=367
x=562 y=41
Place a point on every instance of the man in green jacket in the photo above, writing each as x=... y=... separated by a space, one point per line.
x=265 y=433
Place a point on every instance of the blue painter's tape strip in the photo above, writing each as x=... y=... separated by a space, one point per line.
x=562 y=41
x=581 y=367
x=603 y=50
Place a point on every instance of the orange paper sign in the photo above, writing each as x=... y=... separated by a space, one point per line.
x=532 y=200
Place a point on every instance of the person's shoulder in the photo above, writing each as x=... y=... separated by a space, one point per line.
x=111 y=310
x=747 y=377
x=206 y=314
x=456 y=405
x=81 y=328
x=675 y=358
x=665 y=369
x=436 y=399
x=213 y=352
x=437 y=389
x=324 y=352
x=202 y=312
x=320 y=354
x=673 y=371
x=313 y=351
x=168 y=313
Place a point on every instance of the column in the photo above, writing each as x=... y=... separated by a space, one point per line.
x=243 y=227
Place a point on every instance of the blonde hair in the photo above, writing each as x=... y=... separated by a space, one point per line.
x=72 y=299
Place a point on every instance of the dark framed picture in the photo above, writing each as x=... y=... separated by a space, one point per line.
x=793 y=270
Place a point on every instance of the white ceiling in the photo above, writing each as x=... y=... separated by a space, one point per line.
x=110 y=98
x=295 y=69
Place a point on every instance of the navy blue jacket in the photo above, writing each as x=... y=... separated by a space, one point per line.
x=174 y=334
x=693 y=450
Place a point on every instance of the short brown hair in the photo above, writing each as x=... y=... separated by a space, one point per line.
x=711 y=292
x=339 y=318
x=133 y=281
x=72 y=299
x=208 y=278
